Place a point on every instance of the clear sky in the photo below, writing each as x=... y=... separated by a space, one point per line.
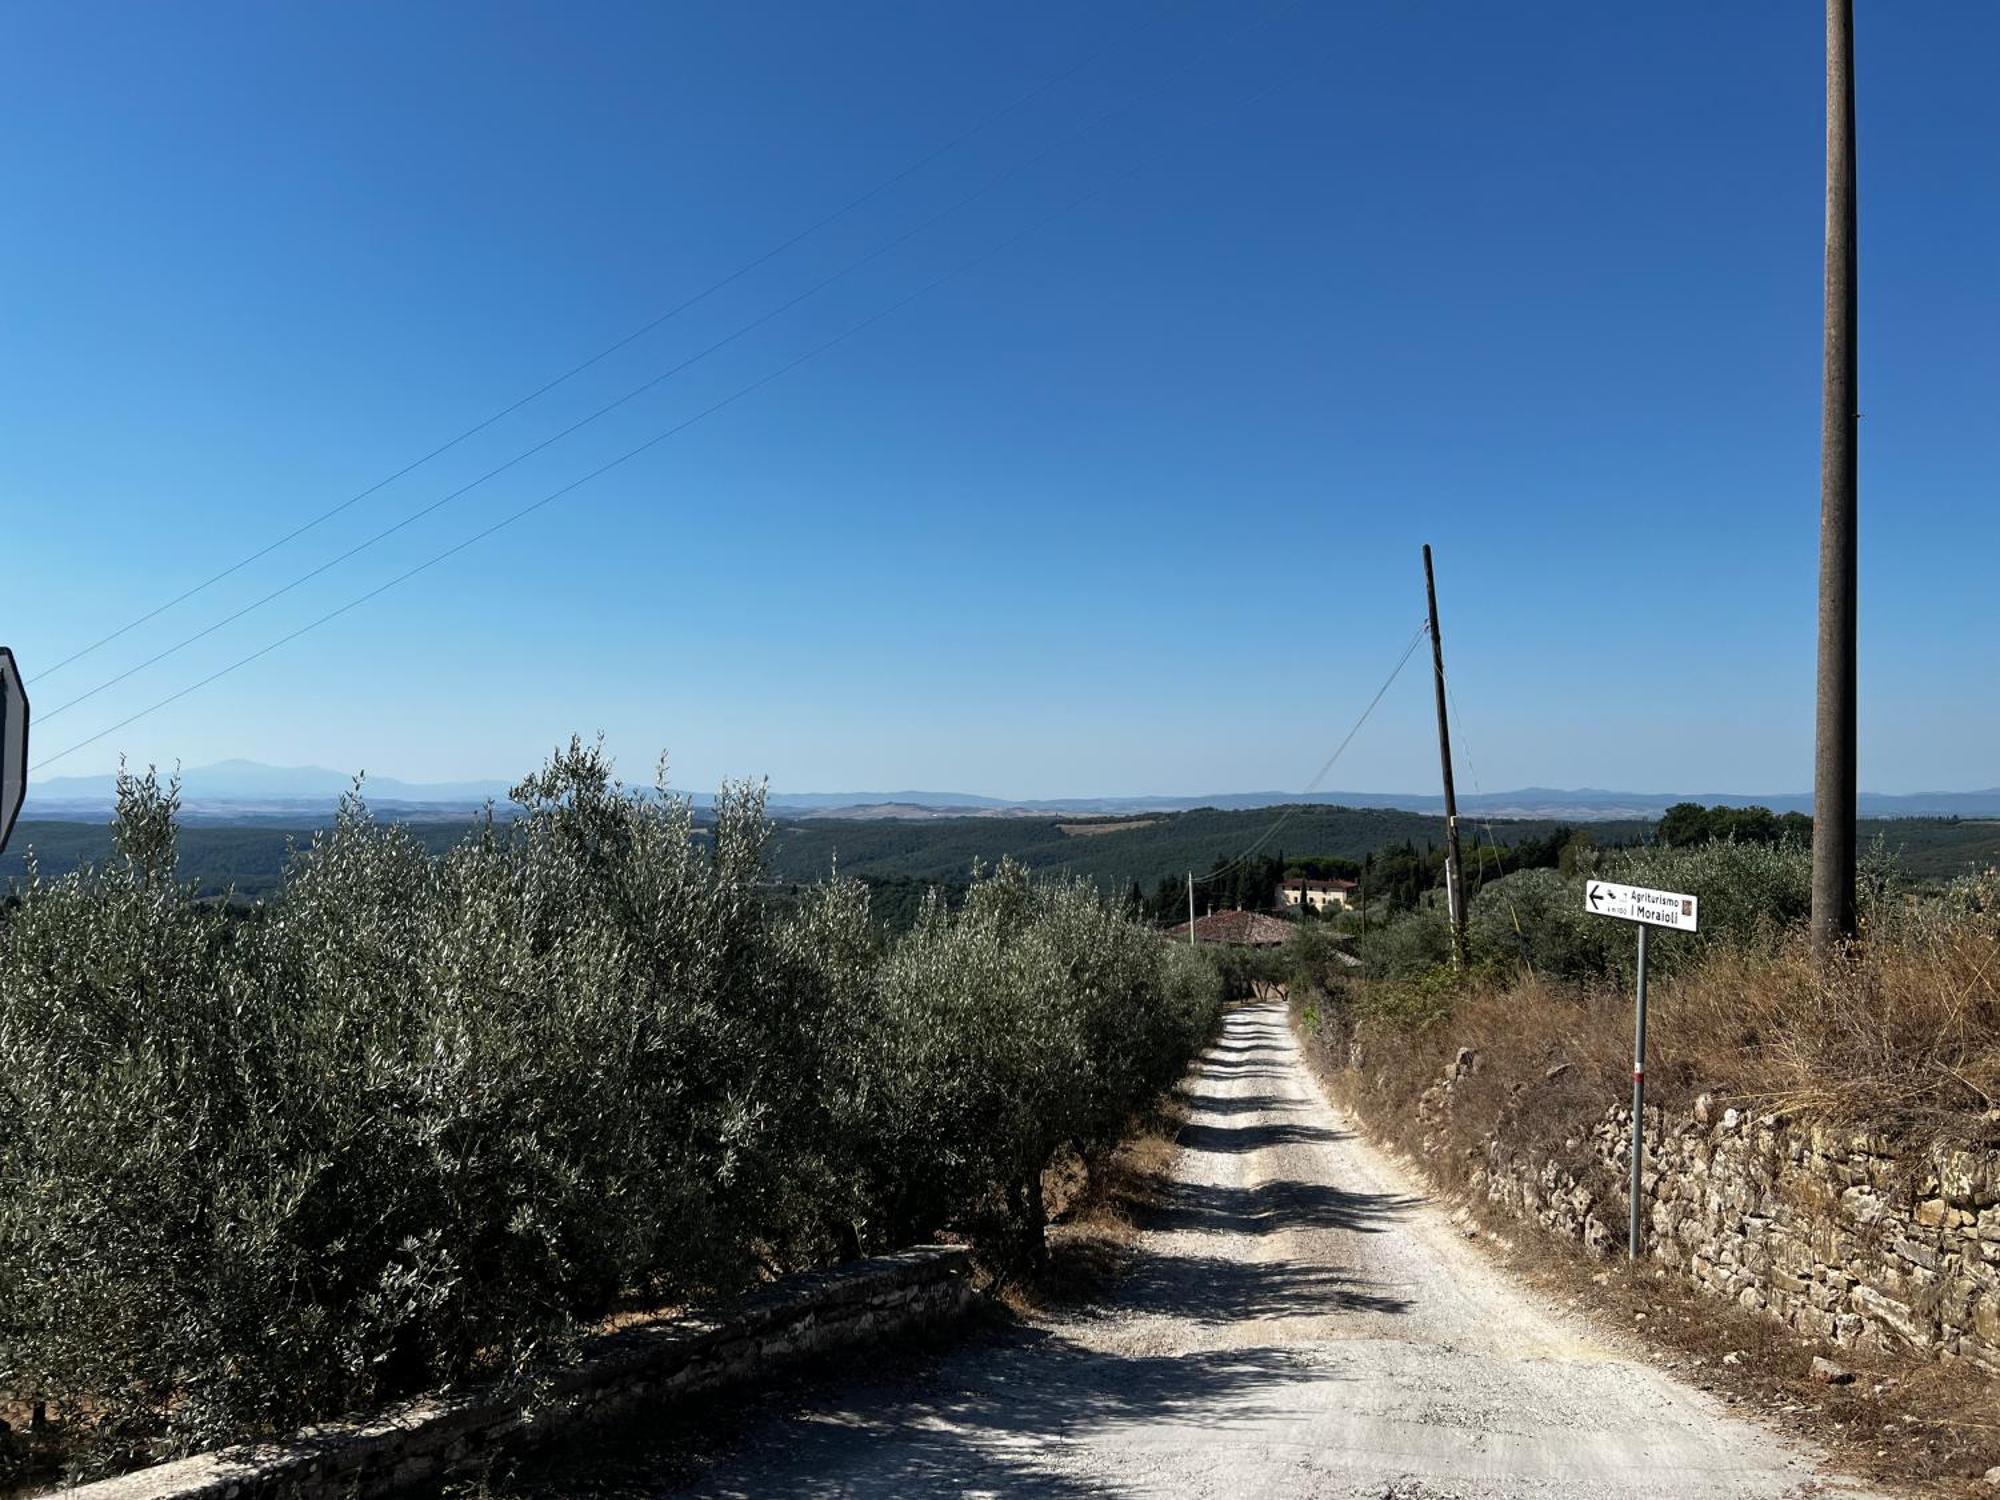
x=1131 y=501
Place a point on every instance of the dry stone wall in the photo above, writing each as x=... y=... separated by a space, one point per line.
x=1834 y=1232
x=660 y=1361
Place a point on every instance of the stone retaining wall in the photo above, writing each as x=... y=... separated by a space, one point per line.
x=1830 y=1231
x=1836 y=1233
x=663 y=1360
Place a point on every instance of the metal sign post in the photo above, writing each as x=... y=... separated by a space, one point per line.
x=1638 y=1098
x=1649 y=909
x=13 y=744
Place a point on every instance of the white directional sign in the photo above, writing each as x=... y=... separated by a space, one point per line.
x=13 y=743
x=1634 y=903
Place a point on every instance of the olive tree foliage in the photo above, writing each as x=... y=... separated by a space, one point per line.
x=416 y=1119
x=1030 y=1019
x=1244 y=970
x=128 y=1027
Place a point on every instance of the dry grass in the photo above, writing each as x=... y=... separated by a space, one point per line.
x=1906 y=1033
x=1902 y=1038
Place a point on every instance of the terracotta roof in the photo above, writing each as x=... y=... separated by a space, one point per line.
x=1251 y=929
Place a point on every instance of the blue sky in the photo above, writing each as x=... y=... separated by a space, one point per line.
x=1131 y=501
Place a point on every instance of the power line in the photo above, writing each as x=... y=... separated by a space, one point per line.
x=556 y=494
x=598 y=358
x=502 y=524
x=993 y=182
x=1486 y=824
x=654 y=441
x=1485 y=820
x=1320 y=775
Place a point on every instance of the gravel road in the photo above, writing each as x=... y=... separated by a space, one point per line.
x=1297 y=1323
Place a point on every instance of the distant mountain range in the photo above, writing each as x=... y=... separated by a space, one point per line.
x=1584 y=804
x=246 y=791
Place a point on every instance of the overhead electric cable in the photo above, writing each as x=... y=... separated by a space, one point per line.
x=993 y=182
x=983 y=123
x=556 y=494
x=659 y=438
x=1320 y=775
x=1485 y=822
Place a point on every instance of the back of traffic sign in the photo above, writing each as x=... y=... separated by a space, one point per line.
x=13 y=744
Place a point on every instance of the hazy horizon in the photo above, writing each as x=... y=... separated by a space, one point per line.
x=310 y=780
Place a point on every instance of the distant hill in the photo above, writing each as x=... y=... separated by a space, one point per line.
x=1578 y=805
x=1146 y=850
x=240 y=791
x=245 y=791
x=907 y=854
x=250 y=856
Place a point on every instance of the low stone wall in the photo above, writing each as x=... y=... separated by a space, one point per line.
x=1836 y=1233
x=1830 y=1231
x=663 y=1360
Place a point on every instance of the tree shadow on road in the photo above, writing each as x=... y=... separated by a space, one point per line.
x=1240 y=1104
x=998 y=1414
x=994 y=1416
x=996 y=1422
x=1223 y=1071
x=1195 y=1136
x=1231 y=1053
x=1277 y=1206
x=1219 y=1289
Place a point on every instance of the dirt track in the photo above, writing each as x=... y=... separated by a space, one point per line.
x=1297 y=1324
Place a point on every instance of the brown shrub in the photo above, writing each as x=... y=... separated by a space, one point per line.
x=1904 y=1033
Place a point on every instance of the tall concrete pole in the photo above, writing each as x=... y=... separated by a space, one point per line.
x=1834 y=775
x=1454 y=869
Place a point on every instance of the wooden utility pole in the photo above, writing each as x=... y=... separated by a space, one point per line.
x=1834 y=752
x=1191 y=908
x=1454 y=871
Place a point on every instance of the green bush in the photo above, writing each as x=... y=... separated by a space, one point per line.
x=1310 y=962
x=416 y=1119
x=1242 y=968
x=1750 y=893
x=1029 y=1019
x=1407 y=946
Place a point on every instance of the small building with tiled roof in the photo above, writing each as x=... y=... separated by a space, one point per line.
x=1236 y=928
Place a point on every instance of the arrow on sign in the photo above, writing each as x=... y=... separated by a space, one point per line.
x=1635 y=903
